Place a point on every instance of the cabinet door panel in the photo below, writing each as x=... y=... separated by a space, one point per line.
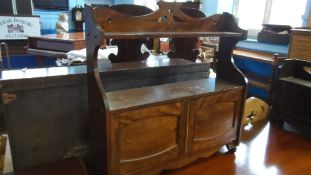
x=147 y=136
x=213 y=119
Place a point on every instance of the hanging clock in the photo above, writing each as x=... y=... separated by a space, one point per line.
x=77 y=17
x=77 y=14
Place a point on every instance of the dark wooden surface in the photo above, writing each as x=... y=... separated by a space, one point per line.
x=58 y=42
x=153 y=71
x=72 y=166
x=162 y=23
x=15 y=47
x=130 y=98
x=47 y=53
x=54 y=45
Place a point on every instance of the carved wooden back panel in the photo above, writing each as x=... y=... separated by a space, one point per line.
x=169 y=18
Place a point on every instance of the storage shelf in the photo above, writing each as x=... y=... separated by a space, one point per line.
x=129 y=98
x=137 y=35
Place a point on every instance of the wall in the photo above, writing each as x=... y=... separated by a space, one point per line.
x=211 y=7
x=123 y=2
x=225 y=6
x=48 y=18
x=307 y=16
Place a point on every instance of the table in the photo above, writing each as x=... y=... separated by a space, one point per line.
x=54 y=45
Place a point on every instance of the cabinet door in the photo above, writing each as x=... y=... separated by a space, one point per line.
x=213 y=120
x=147 y=137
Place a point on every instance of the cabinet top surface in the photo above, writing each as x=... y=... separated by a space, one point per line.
x=130 y=98
x=135 y=35
x=105 y=66
x=66 y=37
x=302 y=31
x=13 y=80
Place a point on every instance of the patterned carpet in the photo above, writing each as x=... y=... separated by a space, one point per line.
x=2 y=152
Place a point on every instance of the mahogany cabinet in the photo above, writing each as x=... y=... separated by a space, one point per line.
x=144 y=130
x=168 y=134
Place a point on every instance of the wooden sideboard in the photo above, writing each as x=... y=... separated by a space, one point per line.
x=166 y=126
x=137 y=117
x=300 y=44
x=147 y=129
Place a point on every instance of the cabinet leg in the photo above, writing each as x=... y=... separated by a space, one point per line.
x=231 y=148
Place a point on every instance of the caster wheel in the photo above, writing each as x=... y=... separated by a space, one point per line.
x=231 y=148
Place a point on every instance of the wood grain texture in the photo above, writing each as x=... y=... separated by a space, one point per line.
x=124 y=99
x=166 y=135
x=147 y=136
x=168 y=21
x=213 y=119
x=300 y=44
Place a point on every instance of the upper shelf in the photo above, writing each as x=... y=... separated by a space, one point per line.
x=170 y=20
x=137 y=35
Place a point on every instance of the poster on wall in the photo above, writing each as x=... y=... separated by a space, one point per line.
x=19 y=27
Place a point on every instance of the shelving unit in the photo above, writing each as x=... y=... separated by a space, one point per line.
x=147 y=129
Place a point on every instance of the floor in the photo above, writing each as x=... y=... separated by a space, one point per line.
x=264 y=150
